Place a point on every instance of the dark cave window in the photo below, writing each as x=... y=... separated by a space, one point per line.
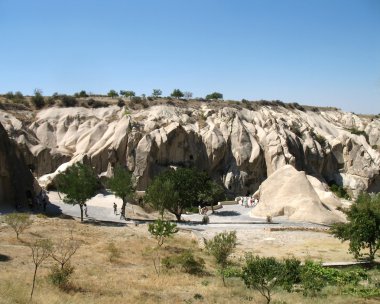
x=191 y=157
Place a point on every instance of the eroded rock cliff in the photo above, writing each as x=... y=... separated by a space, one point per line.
x=16 y=180
x=237 y=146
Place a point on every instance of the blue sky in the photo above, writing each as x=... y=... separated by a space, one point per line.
x=315 y=52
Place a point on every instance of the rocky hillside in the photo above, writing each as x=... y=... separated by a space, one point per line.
x=238 y=145
x=16 y=180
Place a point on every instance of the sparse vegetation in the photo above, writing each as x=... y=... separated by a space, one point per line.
x=18 y=222
x=38 y=100
x=127 y=93
x=41 y=250
x=186 y=262
x=114 y=252
x=356 y=131
x=339 y=191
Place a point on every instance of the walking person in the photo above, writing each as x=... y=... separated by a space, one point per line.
x=85 y=210
x=114 y=208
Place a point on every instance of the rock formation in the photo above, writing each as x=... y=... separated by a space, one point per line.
x=238 y=146
x=288 y=192
x=15 y=177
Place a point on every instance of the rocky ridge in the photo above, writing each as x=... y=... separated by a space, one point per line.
x=237 y=146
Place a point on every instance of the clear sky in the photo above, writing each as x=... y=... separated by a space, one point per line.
x=314 y=52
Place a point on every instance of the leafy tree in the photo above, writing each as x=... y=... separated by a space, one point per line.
x=156 y=93
x=161 y=229
x=81 y=94
x=262 y=274
x=41 y=250
x=112 y=94
x=363 y=227
x=18 y=222
x=9 y=95
x=177 y=93
x=214 y=95
x=121 y=184
x=212 y=193
x=185 y=185
x=221 y=247
x=38 y=100
x=79 y=183
x=127 y=93
x=161 y=194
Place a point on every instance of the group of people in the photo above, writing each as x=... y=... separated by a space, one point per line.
x=247 y=201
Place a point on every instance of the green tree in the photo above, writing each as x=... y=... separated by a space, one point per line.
x=156 y=93
x=122 y=185
x=38 y=100
x=262 y=274
x=18 y=222
x=221 y=247
x=161 y=230
x=79 y=183
x=214 y=95
x=363 y=227
x=161 y=194
x=112 y=94
x=81 y=94
x=127 y=93
x=177 y=93
x=186 y=184
x=212 y=193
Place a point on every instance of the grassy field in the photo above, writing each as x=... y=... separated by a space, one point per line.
x=131 y=278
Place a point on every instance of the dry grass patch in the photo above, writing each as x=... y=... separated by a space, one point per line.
x=131 y=277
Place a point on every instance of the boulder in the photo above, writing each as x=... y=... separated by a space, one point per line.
x=288 y=192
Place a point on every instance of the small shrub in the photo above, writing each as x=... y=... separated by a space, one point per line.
x=205 y=219
x=339 y=191
x=114 y=253
x=269 y=219
x=232 y=272
x=186 y=262
x=38 y=100
x=93 y=103
x=359 y=132
x=120 y=103
x=60 y=277
x=68 y=101
x=198 y=296
x=294 y=128
x=221 y=247
x=161 y=230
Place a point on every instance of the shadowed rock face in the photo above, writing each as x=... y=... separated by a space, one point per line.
x=238 y=147
x=15 y=177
